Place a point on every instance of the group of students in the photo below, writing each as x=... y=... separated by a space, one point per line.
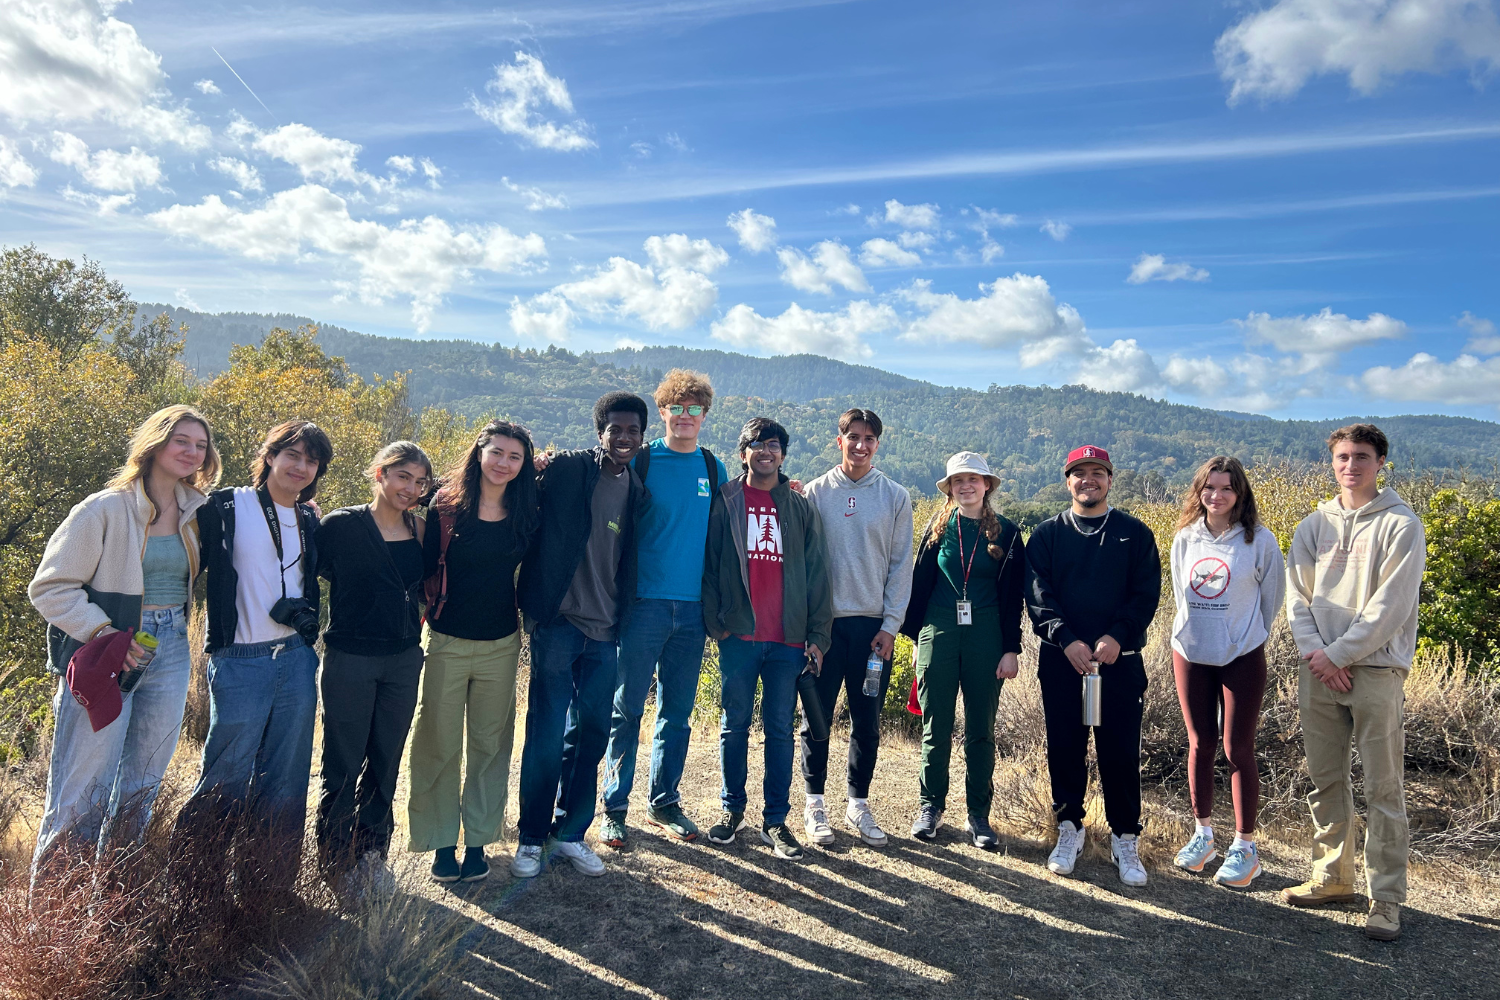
x=619 y=562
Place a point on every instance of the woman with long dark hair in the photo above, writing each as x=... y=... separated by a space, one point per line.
x=371 y=556
x=965 y=617
x=124 y=559
x=1228 y=579
x=479 y=525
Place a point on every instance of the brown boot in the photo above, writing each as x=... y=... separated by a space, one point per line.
x=1319 y=894
x=1384 y=921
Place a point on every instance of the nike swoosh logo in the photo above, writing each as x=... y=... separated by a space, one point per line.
x=850 y=513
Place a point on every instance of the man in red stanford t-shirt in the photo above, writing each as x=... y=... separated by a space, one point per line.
x=767 y=601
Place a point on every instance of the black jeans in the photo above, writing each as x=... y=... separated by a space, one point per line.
x=844 y=665
x=368 y=703
x=1117 y=740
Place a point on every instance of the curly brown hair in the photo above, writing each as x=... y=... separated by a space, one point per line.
x=684 y=383
x=1244 y=512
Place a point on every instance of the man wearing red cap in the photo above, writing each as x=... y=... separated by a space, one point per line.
x=1093 y=583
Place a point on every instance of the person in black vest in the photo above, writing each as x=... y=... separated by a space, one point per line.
x=1093 y=583
x=577 y=583
x=371 y=556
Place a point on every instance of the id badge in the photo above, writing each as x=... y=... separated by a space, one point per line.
x=966 y=612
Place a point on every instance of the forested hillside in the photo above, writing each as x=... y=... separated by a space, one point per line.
x=1024 y=430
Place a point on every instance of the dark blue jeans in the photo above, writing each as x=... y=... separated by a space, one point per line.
x=568 y=669
x=776 y=666
x=664 y=638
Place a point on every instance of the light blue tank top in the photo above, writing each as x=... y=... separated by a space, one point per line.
x=165 y=569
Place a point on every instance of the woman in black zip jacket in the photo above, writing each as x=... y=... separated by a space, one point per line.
x=371 y=556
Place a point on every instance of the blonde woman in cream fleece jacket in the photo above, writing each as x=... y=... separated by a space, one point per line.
x=124 y=558
x=1354 y=575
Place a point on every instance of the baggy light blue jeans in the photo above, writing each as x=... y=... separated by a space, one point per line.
x=94 y=777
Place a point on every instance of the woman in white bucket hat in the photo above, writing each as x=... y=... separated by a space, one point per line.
x=965 y=617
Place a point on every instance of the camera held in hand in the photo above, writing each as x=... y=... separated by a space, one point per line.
x=297 y=613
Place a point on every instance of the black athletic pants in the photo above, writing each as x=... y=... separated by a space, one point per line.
x=1117 y=741
x=844 y=666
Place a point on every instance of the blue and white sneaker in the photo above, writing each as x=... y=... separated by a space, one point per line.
x=1198 y=852
x=1241 y=865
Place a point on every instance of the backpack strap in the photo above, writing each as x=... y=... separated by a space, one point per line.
x=713 y=471
x=643 y=462
x=435 y=587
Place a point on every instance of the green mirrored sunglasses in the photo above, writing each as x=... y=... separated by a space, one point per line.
x=676 y=409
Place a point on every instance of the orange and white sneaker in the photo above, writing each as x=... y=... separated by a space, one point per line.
x=1241 y=866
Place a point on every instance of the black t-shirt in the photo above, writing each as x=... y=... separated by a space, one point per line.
x=407 y=555
x=482 y=561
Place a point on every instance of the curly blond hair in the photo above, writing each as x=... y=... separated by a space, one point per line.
x=681 y=384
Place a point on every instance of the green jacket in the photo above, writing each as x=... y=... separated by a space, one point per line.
x=807 y=598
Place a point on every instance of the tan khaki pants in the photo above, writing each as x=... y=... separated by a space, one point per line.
x=464 y=680
x=1333 y=722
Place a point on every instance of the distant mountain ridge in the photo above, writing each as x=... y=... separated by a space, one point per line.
x=1024 y=430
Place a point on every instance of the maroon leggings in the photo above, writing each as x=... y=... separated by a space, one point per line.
x=1241 y=683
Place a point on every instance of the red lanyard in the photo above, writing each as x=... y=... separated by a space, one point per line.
x=975 y=551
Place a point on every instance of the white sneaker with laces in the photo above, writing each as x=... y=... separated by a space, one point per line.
x=815 y=822
x=862 y=821
x=528 y=861
x=1065 y=855
x=1127 y=858
x=579 y=855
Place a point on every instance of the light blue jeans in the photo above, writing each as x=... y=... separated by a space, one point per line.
x=95 y=777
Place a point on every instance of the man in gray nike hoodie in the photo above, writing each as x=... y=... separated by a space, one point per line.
x=1354 y=575
x=867 y=521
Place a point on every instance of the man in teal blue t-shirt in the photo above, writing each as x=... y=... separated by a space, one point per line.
x=664 y=634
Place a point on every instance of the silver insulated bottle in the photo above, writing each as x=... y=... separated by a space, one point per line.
x=1093 y=702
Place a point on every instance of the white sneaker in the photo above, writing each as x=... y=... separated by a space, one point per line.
x=579 y=856
x=528 y=861
x=1065 y=855
x=815 y=822
x=1127 y=859
x=378 y=875
x=862 y=821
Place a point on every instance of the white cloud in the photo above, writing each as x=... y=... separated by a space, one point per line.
x=316 y=156
x=69 y=61
x=184 y=298
x=422 y=259
x=1321 y=336
x=107 y=169
x=1123 y=366
x=990 y=251
x=1057 y=230
x=401 y=165
x=536 y=198
x=674 y=141
x=916 y=241
x=1273 y=52
x=757 y=233
x=545 y=317
x=1483 y=338
x=1154 y=267
x=849 y=209
x=988 y=218
x=245 y=176
x=829 y=265
x=522 y=89
x=1200 y=376
x=1466 y=381
x=924 y=216
x=884 y=253
x=101 y=203
x=642 y=149
x=1016 y=312
x=207 y=87
x=431 y=171
x=805 y=331
x=15 y=171
x=676 y=250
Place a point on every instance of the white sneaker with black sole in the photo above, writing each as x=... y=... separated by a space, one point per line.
x=1064 y=856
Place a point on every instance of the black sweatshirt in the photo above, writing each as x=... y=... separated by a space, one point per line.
x=482 y=560
x=1083 y=587
x=373 y=610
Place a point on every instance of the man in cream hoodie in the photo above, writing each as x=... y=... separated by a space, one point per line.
x=1353 y=579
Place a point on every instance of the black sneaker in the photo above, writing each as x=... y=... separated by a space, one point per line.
x=929 y=818
x=978 y=828
x=475 y=867
x=445 y=865
x=729 y=824
x=782 y=842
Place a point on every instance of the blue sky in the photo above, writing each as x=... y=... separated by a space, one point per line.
x=1288 y=207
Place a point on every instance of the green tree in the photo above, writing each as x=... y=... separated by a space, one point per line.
x=1461 y=587
x=69 y=305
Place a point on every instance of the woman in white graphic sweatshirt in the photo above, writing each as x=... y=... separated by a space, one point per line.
x=1228 y=581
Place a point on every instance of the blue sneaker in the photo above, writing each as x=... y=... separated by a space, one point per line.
x=1198 y=852
x=1241 y=865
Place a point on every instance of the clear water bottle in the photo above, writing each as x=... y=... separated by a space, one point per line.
x=874 y=667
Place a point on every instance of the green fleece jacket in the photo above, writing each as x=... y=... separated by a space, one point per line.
x=1353 y=578
x=807 y=599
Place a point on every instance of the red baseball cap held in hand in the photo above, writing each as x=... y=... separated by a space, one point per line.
x=94 y=676
x=1088 y=453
